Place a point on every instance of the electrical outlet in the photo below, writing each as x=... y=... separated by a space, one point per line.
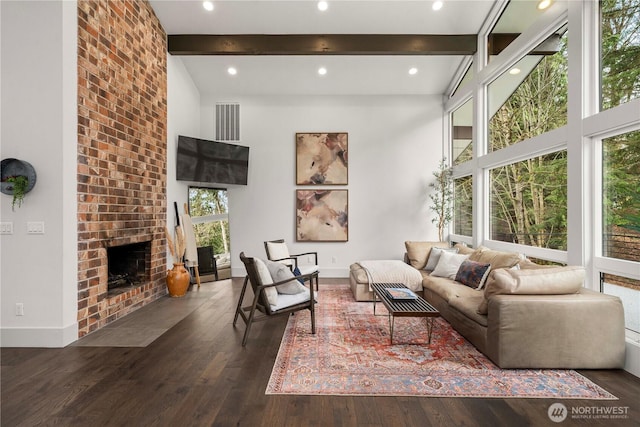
x=19 y=309
x=6 y=227
x=35 y=227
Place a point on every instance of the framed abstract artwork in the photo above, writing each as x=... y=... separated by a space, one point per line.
x=322 y=215
x=322 y=158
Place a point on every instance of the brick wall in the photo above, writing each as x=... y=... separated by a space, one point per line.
x=122 y=117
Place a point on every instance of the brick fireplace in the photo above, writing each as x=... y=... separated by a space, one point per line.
x=122 y=154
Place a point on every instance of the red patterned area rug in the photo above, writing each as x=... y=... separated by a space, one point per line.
x=351 y=355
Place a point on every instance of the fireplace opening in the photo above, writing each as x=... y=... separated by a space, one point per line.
x=128 y=266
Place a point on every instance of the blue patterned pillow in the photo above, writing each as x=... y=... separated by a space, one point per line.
x=473 y=274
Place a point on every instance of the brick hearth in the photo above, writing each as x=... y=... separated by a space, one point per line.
x=122 y=151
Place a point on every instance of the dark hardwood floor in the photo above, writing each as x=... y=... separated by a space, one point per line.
x=198 y=374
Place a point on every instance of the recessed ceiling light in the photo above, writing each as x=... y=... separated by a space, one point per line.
x=232 y=70
x=322 y=71
x=544 y=4
x=514 y=71
x=437 y=5
x=413 y=70
x=323 y=5
x=208 y=5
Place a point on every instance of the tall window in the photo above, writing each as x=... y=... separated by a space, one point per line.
x=466 y=78
x=531 y=97
x=529 y=202
x=621 y=196
x=461 y=133
x=463 y=206
x=619 y=52
x=209 y=209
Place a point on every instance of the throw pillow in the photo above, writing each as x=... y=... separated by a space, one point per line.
x=448 y=265
x=473 y=274
x=296 y=272
x=265 y=279
x=418 y=252
x=280 y=272
x=434 y=256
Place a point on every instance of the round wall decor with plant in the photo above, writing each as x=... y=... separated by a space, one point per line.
x=17 y=178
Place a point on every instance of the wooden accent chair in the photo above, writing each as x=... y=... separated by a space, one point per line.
x=277 y=250
x=287 y=304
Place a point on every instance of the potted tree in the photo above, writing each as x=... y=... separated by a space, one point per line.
x=442 y=197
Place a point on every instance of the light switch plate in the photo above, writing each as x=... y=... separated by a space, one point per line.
x=35 y=227
x=6 y=227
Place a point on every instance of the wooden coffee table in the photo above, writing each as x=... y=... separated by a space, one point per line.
x=418 y=307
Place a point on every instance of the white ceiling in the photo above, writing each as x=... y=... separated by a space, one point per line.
x=284 y=75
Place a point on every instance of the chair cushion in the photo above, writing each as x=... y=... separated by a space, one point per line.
x=279 y=250
x=280 y=272
x=448 y=265
x=265 y=279
x=307 y=268
x=434 y=256
x=285 y=300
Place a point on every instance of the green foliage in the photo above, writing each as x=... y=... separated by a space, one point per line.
x=206 y=202
x=20 y=184
x=442 y=197
x=529 y=198
x=463 y=206
x=620 y=51
x=621 y=181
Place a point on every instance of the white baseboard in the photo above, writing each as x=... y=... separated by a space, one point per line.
x=38 y=337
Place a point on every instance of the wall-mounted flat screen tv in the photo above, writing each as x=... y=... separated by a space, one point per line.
x=211 y=162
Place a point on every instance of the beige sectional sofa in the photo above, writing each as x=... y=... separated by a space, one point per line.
x=525 y=315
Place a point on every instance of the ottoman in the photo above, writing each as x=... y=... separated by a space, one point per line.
x=359 y=283
x=383 y=271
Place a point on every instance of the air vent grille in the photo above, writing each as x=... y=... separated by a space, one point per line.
x=228 y=122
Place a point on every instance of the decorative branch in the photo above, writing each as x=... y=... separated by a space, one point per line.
x=177 y=246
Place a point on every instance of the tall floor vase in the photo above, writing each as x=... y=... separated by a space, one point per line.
x=178 y=280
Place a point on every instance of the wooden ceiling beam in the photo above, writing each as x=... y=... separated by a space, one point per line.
x=328 y=44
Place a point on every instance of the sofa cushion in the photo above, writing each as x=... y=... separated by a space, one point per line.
x=548 y=281
x=497 y=259
x=447 y=288
x=434 y=256
x=418 y=252
x=448 y=265
x=463 y=249
x=468 y=306
x=473 y=274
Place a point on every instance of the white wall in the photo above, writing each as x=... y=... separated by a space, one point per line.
x=183 y=118
x=395 y=143
x=39 y=125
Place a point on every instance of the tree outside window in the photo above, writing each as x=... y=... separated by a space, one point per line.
x=209 y=209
